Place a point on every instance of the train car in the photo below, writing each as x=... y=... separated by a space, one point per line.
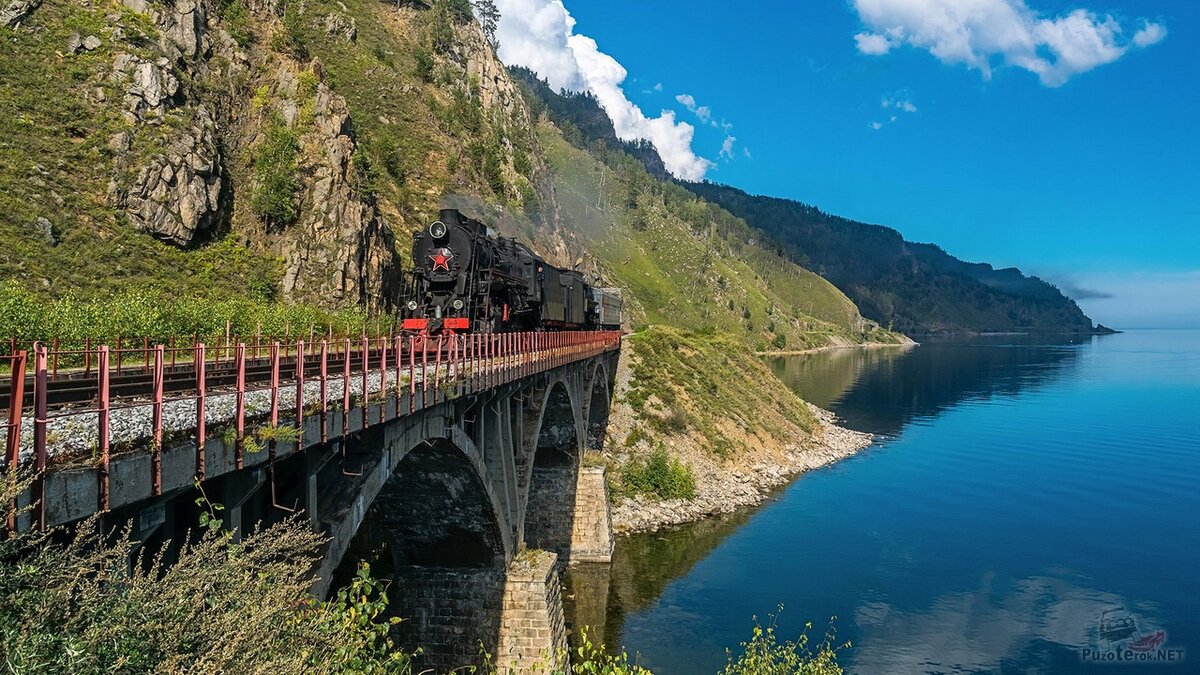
x=608 y=307
x=466 y=279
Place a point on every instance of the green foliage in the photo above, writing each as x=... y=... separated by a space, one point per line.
x=275 y=173
x=236 y=20
x=659 y=475
x=779 y=341
x=680 y=378
x=764 y=654
x=157 y=316
x=86 y=603
x=488 y=17
x=290 y=37
x=424 y=64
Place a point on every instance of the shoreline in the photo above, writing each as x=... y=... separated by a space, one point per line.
x=837 y=347
x=720 y=492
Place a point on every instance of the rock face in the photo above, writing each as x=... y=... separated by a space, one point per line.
x=16 y=11
x=340 y=251
x=177 y=194
x=343 y=27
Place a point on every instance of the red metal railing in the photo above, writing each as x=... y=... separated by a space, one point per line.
x=447 y=366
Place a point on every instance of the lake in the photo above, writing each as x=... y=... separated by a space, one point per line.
x=1020 y=491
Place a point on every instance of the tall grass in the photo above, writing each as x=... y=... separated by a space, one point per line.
x=155 y=316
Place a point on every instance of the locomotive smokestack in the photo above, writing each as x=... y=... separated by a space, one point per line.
x=450 y=217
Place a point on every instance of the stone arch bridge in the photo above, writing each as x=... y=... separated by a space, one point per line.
x=460 y=473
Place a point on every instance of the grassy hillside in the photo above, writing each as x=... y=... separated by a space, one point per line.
x=915 y=288
x=685 y=263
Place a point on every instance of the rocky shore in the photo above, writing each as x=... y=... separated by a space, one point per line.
x=722 y=489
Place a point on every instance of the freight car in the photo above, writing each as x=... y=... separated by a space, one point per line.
x=466 y=279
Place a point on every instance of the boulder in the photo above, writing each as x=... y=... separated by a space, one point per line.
x=341 y=27
x=16 y=11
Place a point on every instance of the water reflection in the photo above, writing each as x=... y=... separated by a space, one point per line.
x=882 y=390
x=1041 y=623
x=599 y=597
x=907 y=577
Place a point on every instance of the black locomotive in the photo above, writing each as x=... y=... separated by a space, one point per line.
x=465 y=279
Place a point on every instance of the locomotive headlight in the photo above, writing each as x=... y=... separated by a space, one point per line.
x=437 y=230
x=458 y=303
x=412 y=305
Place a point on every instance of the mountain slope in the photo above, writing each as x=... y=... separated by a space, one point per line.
x=914 y=288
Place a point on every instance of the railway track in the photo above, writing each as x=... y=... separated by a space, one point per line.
x=74 y=388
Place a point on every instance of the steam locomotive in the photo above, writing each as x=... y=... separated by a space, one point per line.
x=466 y=279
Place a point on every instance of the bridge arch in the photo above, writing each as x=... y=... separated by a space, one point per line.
x=556 y=448
x=599 y=402
x=438 y=522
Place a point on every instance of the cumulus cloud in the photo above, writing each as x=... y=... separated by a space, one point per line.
x=1149 y=34
x=984 y=33
x=540 y=35
x=701 y=111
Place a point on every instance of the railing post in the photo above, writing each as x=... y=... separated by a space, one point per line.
x=383 y=350
x=324 y=390
x=366 y=379
x=424 y=371
x=16 y=404
x=239 y=447
x=274 y=354
x=300 y=394
x=102 y=422
x=156 y=422
x=39 y=431
x=437 y=368
x=412 y=373
x=345 y=388
x=201 y=427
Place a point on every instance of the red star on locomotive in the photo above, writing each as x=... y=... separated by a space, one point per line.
x=441 y=259
x=497 y=284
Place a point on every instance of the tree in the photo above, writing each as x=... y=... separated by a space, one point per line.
x=489 y=17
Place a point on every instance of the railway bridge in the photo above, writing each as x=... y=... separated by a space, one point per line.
x=454 y=463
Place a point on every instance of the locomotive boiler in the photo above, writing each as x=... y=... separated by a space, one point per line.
x=466 y=279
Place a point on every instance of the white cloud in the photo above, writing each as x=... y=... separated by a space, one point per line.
x=1149 y=34
x=984 y=33
x=701 y=111
x=903 y=103
x=873 y=44
x=876 y=125
x=727 y=147
x=658 y=86
x=540 y=35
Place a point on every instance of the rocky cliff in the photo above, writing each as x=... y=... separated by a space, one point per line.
x=204 y=146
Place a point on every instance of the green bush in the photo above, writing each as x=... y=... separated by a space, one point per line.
x=660 y=476
x=764 y=654
x=779 y=341
x=275 y=167
x=83 y=603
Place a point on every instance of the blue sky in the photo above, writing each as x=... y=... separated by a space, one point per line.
x=1069 y=150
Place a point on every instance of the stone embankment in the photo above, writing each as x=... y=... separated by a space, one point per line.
x=723 y=490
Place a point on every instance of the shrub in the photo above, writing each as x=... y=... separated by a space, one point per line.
x=275 y=166
x=424 y=65
x=764 y=654
x=660 y=476
x=84 y=603
x=779 y=341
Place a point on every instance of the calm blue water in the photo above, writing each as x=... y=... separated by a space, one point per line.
x=1018 y=491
